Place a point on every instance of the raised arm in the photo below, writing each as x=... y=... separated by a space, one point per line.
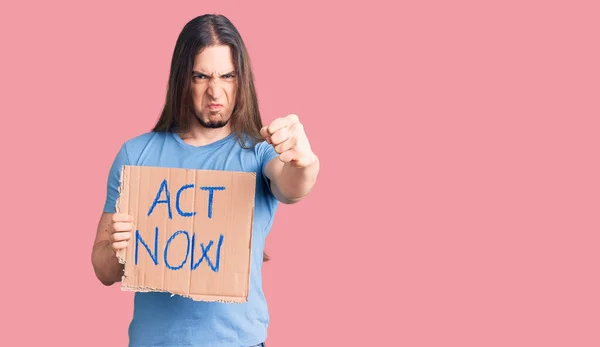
x=294 y=173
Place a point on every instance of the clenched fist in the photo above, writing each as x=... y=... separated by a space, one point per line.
x=120 y=230
x=288 y=138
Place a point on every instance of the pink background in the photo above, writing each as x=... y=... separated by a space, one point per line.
x=459 y=192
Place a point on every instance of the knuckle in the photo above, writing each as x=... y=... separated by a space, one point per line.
x=123 y=226
x=119 y=245
x=275 y=138
x=297 y=128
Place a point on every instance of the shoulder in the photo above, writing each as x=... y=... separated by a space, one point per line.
x=144 y=138
x=135 y=145
x=259 y=147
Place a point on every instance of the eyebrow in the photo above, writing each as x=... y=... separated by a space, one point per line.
x=202 y=73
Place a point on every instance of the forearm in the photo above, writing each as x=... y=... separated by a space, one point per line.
x=294 y=183
x=106 y=264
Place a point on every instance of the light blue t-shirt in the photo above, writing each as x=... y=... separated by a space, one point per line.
x=160 y=319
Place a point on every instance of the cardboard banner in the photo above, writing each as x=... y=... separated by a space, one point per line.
x=192 y=233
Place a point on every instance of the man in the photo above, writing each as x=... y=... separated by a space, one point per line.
x=211 y=121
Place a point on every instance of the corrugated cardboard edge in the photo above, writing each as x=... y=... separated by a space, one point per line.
x=122 y=255
x=209 y=298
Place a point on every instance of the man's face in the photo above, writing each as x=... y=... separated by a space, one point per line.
x=214 y=85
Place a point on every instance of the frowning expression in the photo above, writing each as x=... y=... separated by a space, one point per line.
x=214 y=84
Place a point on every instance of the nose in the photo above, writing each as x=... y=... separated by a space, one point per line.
x=214 y=89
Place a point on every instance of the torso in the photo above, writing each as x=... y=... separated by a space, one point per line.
x=165 y=320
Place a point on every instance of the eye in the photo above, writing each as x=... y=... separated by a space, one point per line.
x=229 y=76
x=200 y=76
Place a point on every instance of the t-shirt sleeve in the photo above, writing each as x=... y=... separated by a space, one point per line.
x=265 y=153
x=114 y=180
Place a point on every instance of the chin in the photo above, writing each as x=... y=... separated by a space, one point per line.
x=212 y=124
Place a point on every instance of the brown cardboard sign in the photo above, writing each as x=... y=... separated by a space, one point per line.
x=192 y=234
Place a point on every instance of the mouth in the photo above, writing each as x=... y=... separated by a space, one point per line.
x=214 y=106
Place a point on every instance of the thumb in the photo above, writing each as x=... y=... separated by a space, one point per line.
x=265 y=134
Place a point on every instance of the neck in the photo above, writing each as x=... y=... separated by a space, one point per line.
x=201 y=136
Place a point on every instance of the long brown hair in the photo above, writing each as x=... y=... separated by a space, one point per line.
x=178 y=111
